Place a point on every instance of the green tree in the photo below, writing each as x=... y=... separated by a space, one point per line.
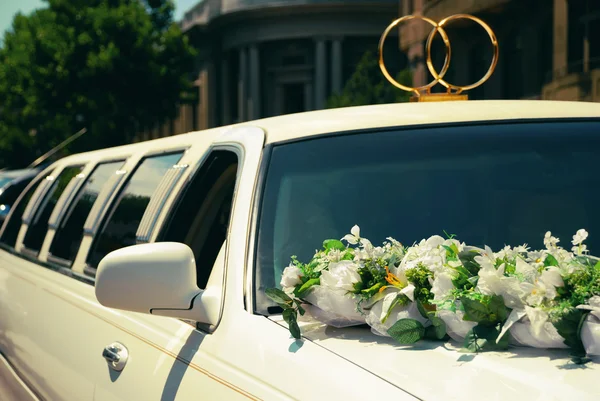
x=367 y=85
x=113 y=66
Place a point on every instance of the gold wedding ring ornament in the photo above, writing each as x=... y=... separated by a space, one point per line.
x=454 y=92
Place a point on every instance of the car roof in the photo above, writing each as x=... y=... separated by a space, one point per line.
x=302 y=125
x=296 y=126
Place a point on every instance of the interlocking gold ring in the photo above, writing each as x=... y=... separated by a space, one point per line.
x=439 y=77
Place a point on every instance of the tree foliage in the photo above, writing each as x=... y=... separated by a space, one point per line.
x=113 y=66
x=367 y=85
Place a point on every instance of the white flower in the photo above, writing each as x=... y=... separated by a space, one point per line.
x=493 y=282
x=486 y=259
x=522 y=248
x=579 y=237
x=506 y=252
x=442 y=284
x=579 y=249
x=354 y=236
x=538 y=291
x=536 y=259
x=538 y=319
x=550 y=242
x=526 y=270
x=291 y=277
x=334 y=255
x=514 y=317
x=551 y=276
x=341 y=276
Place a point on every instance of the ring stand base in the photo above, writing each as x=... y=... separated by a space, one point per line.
x=438 y=97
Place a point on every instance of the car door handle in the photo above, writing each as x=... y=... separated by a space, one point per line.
x=116 y=354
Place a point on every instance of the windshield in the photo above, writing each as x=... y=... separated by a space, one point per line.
x=495 y=184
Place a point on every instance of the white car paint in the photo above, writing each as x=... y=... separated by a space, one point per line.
x=53 y=329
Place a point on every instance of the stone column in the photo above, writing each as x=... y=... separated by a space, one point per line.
x=336 y=65
x=242 y=85
x=561 y=38
x=254 y=111
x=320 y=73
x=212 y=88
x=225 y=101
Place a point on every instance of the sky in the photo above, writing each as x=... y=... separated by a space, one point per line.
x=8 y=8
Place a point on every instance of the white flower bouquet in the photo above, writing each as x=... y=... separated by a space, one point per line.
x=441 y=288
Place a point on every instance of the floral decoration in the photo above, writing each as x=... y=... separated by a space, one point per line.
x=440 y=289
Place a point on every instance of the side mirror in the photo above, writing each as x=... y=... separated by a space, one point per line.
x=158 y=279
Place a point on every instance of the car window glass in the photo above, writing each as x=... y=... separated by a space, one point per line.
x=70 y=232
x=13 y=225
x=201 y=216
x=37 y=229
x=120 y=227
x=5 y=180
x=492 y=185
x=11 y=192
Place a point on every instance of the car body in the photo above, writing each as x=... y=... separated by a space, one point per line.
x=99 y=299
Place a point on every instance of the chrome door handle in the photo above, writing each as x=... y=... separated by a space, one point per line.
x=116 y=354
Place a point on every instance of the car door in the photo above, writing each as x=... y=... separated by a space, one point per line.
x=33 y=322
x=184 y=360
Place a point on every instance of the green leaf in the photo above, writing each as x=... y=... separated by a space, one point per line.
x=295 y=330
x=475 y=311
x=498 y=308
x=407 y=331
x=330 y=244
x=422 y=310
x=483 y=338
x=550 y=261
x=439 y=326
x=468 y=261
x=301 y=310
x=568 y=326
x=290 y=317
x=300 y=292
x=279 y=297
x=373 y=290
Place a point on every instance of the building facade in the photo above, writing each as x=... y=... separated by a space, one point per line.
x=549 y=49
x=262 y=58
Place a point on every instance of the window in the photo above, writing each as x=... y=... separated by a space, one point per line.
x=70 y=232
x=491 y=184
x=38 y=227
x=11 y=192
x=201 y=216
x=123 y=219
x=13 y=225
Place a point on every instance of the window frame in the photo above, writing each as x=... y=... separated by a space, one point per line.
x=114 y=200
x=43 y=200
x=67 y=205
x=162 y=221
x=35 y=181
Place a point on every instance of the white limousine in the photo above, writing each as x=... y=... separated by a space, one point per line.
x=140 y=272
